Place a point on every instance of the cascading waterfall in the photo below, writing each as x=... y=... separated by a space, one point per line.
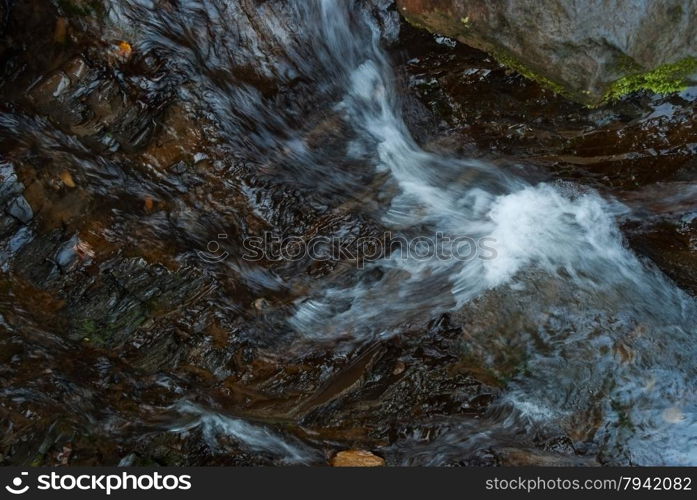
x=557 y=229
x=562 y=232
x=546 y=237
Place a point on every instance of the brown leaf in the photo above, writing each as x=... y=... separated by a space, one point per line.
x=67 y=179
x=357 y=458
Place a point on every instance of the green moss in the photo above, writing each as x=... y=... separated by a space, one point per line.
x=89 y=327
x=676 y=14
x=110 y=329
x=513 y=63
x=413 y=21
x=89 y=331
x=665 y=79
x=121 y=327
x=624 y=420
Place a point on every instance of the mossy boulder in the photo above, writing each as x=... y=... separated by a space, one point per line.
x=589 y=50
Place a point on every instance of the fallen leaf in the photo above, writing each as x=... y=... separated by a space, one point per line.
x=125 y=50
x=67 y=179
x=357 y=458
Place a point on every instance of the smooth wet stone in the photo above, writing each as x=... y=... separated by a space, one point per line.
x=514 y=457
x=76 y=69
x=67 y=255
x=20 y=210
x=10 y=186
x=54 y=86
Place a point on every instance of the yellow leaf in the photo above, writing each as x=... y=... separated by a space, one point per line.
x=67 y=179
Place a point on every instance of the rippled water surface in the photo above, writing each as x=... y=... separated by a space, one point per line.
x=149 y=140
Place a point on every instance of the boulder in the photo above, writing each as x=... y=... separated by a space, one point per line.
x=588 y=50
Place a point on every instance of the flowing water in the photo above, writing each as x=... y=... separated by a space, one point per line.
x=608 y=342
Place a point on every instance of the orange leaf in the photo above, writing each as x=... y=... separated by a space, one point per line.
x=125 y=50
x=67 y=179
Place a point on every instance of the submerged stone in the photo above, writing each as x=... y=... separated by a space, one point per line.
x=21 y=210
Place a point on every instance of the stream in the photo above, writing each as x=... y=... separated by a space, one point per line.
x=520 y=323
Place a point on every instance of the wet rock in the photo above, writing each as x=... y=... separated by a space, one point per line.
x=61 y=31
x=127 y=181
x=513 y=457
x=54 y=86
x=357 y=458
x=671 y=244
x=76 y=69
x=20 y=209
x=575 y=47
x=176 y=142
x=10 y=186
x=73 y=252
x=108 y=311
x=673 y=415
x=66 y=254
x=3 y=18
